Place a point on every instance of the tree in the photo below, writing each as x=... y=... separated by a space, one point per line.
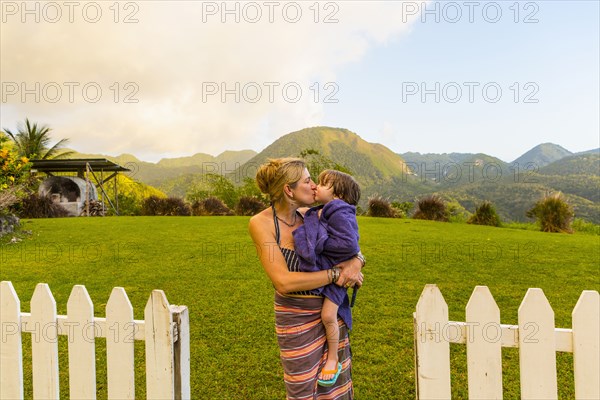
x=317 y=162
x=214 y=185
x=33 y=141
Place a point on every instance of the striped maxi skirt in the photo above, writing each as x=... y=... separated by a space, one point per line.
x=303 y=349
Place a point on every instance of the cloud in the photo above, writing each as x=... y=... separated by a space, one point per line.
x=180 y=80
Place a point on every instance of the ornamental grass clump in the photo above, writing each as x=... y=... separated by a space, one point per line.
x=485 y=214
x=210 y=206
x=171 y=206
x=249 y=205
x=431 y=208
x=553 y=214
x=380 y=207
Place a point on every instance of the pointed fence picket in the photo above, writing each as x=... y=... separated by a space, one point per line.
x=165 y=330
x=535 y=335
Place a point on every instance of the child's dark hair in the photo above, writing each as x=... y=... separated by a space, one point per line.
x=344 y=186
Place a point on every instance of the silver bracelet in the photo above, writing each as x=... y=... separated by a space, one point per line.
x=362 y=259
x=336 y=274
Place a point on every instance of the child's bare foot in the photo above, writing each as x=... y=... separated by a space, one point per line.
x=329 y=370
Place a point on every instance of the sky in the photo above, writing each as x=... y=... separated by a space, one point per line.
x=162 y=79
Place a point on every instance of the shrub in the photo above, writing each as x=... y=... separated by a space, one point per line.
x=248 y=205
x=431 y=208
x=210 y=206
x=380 y=207
x=485 y=214
x=35 y=206
x=8 y=197
x=176 y=206
x=15 y=177
x=128 y=205
x=553 y=214
x=170 y=206
x=580 y=225
x=401 y=209
x=456 y=212
x=151 y=205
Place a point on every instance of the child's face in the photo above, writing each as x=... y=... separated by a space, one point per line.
x=324 y=193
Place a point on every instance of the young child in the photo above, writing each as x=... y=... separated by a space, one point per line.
x=329 y=236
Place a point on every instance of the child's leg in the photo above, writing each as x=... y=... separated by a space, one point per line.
x=332 y=330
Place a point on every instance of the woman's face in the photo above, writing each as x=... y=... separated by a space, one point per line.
x=304 y=192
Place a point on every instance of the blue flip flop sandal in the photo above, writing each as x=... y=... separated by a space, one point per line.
x=331 y=381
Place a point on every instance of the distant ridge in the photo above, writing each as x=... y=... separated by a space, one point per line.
x=543 y=154
x=465 y=180
x=368 y=162
x=170 y=168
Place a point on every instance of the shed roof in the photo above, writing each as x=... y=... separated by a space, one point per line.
x=75 y=165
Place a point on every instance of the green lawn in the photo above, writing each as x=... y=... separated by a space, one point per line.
x=209 y=264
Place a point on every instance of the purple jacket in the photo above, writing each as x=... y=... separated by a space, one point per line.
x=322 y=243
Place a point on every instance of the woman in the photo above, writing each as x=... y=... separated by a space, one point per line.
x=300 y=332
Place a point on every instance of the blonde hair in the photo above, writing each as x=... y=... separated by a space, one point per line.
x=273 y=175
x=344 y=186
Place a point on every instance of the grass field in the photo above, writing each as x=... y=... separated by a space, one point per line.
x=209 y=264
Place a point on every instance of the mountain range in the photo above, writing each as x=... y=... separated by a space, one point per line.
x=464 y=179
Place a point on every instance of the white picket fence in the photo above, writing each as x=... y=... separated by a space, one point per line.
x=535 y=335
x=165 y=330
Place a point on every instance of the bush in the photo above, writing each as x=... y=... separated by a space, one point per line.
x=249 y=206
x=35 y=206
x=171 y=206
x=210 y=206
x=380 y=207
x=402 y=209
x=580 y=225
x=129 y=205
x=485 y=214
x=8 y=197
x=553 y=214
x=456 y=212
x=431 y=208
x=15 y=177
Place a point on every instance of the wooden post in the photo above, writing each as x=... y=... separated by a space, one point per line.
x=117 y=193
x=11 y=356
x=484 y=345
x=181 y=318
x=82 y=348
x=432 y=346
x=537 y=347
x=44 y=343
x=160 y=368
x=87 y=189
x=586 y=345
x=119 y=346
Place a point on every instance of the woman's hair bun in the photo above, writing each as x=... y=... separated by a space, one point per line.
x=273 y=175
x=266 y=174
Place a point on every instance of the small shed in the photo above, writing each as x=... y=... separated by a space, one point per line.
x=75 y=183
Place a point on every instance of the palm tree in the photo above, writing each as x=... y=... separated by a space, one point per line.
x=33 y=142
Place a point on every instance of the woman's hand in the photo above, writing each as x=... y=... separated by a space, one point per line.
x=350 y=275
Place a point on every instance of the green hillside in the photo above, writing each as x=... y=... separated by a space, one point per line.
x=226 y=161
x=156 y=174
x=577 y=164
x=543 y=154
x=369 y=162
x=513 y=199
x=467 y=178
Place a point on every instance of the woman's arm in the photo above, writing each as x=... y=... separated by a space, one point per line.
x=274 y=264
